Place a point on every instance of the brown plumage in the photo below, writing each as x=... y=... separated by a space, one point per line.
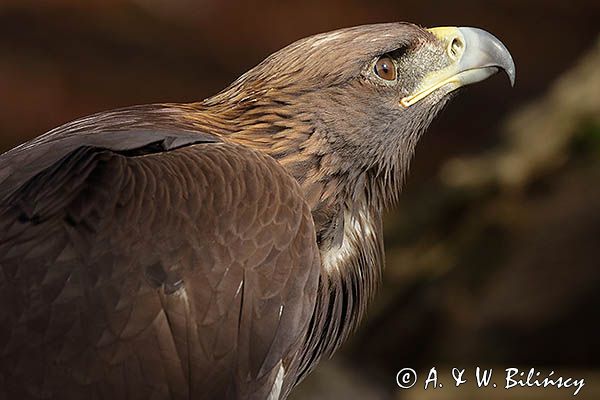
x=219 y=249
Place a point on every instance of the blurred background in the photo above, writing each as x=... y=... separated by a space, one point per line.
x=493 y=255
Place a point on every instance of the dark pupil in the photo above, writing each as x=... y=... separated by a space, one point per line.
x=384 y=68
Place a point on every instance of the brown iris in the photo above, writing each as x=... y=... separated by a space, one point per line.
x=385 y=68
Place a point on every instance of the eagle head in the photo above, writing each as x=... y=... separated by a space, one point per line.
x=343 y=110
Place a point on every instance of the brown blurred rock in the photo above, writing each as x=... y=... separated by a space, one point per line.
x=537 y=137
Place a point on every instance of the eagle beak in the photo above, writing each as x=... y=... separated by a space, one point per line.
x=476 y=55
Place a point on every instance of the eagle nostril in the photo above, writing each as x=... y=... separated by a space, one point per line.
x=456 y=47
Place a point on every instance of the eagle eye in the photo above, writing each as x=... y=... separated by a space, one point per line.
x=385 y=68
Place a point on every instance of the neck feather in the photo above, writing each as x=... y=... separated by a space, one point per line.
x=351 y=272
x=346 y=198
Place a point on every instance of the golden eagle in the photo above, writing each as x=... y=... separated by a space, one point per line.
x=219 y=249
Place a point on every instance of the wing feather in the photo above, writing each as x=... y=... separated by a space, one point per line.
x=150 y=264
